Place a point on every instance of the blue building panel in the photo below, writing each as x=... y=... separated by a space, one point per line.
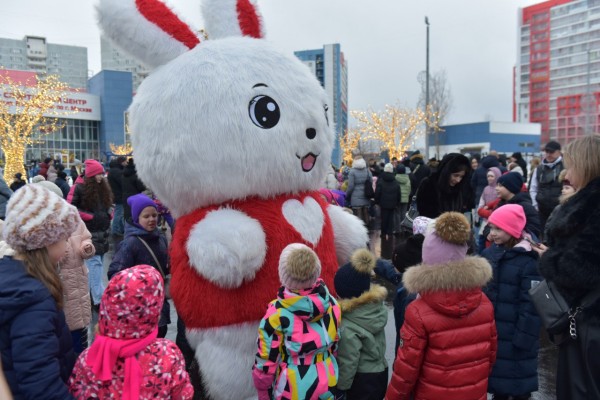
x=115 y=89
x=509 y=143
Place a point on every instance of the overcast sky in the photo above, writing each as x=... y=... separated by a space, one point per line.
x=474 y=41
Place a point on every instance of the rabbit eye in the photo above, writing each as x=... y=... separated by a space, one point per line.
x=326 y=108
x=264 y=112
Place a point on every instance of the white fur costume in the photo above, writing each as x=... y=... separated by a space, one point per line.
x=233 y=137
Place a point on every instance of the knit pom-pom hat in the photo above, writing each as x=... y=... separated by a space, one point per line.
x=447 y=239
x=354 y=278
x=299 y=267
x=37 y=218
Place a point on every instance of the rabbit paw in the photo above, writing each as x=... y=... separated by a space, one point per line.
x=227 y=247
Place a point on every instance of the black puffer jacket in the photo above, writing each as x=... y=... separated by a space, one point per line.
x=387 y=192
x=98 y=225
x=131 y=185
x=572 y=263
x=435 y=195
x=115 y=180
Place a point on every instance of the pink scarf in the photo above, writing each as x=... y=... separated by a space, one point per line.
x=105 y=352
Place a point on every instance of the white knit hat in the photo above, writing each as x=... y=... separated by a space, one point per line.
x=36 y=218
x=299 y=267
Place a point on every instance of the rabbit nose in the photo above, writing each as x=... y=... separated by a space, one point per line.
x=311 y=133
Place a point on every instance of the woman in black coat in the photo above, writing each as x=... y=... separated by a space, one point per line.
x=131 y=185
x=571 y=259
x=387 y=196
x=448 y=189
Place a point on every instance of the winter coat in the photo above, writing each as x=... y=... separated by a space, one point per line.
x=98 y=225
x=435 y=196
x=419 y=171
x=63 y=186
x=130 y=185
x=359 y=174
x=78 y=181
x=533 y=224
x=17 y=184
x=132 y=252
x=297 y=339
x=361 y=349
x=115 y=180
x=43 y=170
x=479 y=176
x=517 y=322
x=448 y=339
x=547 y=188
x=405 y=187
x=74 y=278
x=387 y=191
x=35 y=342
x=331 y=181
x=52 y=173
x=5 y=194
x=571 y=262
x=162 y=366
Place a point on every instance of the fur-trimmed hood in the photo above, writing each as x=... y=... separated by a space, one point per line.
x=453 y=288
x=359 y=164
x=376 y=294
x=472 y=272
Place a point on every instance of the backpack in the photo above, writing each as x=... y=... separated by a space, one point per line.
x=369 y=192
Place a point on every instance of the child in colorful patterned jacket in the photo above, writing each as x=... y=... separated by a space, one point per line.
x=297 y=337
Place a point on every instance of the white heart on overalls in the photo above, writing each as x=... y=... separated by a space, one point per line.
x=307 y=218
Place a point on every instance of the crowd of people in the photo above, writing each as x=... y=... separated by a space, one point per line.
x=488 y=230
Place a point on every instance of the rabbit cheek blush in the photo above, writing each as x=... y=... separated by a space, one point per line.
x=216 y=136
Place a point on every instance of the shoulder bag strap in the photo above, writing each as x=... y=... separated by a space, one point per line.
x=162 y=272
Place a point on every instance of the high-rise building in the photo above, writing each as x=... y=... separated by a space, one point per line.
x=557 y=76
x=112 y=58
x=331 y=69
x=35 y=54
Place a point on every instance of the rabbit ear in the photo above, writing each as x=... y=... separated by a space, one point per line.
x=146 y=29
x=224 y=18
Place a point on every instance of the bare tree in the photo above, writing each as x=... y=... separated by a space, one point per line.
x=440 y=95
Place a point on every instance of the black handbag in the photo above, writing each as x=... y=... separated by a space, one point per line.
x=407 y=222
x=558 y=318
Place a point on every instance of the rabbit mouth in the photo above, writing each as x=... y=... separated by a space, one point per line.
x=308 y=161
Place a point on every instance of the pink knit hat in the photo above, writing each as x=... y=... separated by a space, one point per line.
x=448 y=239
x=510 y=218
x=299 y=267
x=93 y=168
x=36 y=218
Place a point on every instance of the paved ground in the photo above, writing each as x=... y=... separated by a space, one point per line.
x=384 y=248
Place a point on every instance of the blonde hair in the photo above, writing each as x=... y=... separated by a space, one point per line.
x=39 y=265
x=535 y=162
x=562 y=175
x=582 y=156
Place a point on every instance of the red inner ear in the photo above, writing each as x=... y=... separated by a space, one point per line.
x=160 y=15
x=248 y=19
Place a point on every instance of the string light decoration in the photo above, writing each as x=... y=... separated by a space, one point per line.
x=395 y=128
x=348 y=143
x=122 y=149
x=23 y=116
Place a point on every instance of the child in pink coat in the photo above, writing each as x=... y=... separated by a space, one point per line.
x=126 y=360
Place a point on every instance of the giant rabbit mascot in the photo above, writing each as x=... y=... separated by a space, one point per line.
x=235 y=138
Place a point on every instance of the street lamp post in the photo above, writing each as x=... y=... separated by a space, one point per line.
x=427 y=90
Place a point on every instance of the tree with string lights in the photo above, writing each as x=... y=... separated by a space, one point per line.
x=395 y=128
x=24 y=110
x=121 y=150
x=349 y=143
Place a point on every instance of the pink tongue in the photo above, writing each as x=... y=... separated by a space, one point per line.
x=308 y=162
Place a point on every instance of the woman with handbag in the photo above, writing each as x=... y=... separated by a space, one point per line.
x=570 y=261
x=144 y=243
